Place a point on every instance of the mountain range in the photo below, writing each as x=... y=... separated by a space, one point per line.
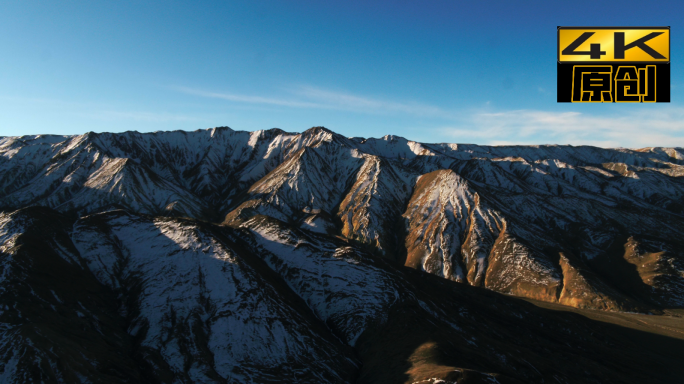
x=222 y=256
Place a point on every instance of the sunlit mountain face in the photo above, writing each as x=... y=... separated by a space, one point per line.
x=220 y=256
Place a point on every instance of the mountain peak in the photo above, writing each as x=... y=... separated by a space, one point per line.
x=317 y=130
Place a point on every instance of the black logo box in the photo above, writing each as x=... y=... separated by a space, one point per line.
x=564 y=89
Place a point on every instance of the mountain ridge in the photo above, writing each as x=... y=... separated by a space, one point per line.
x=225 y=175
x=267 y=256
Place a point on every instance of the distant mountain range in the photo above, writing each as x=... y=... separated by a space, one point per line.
x=221 y=256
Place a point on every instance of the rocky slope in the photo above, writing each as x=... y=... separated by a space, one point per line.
x=582 y=226
x=224 y=256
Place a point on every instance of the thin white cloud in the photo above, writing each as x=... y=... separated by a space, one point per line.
x=250 y=99
x=638 y=129
x=312 y=97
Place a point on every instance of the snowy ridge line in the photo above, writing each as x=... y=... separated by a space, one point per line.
x=549 y=222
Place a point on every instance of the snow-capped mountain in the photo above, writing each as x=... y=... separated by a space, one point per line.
x=219 y=256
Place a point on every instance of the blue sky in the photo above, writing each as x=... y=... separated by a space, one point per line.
x=435 y=71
